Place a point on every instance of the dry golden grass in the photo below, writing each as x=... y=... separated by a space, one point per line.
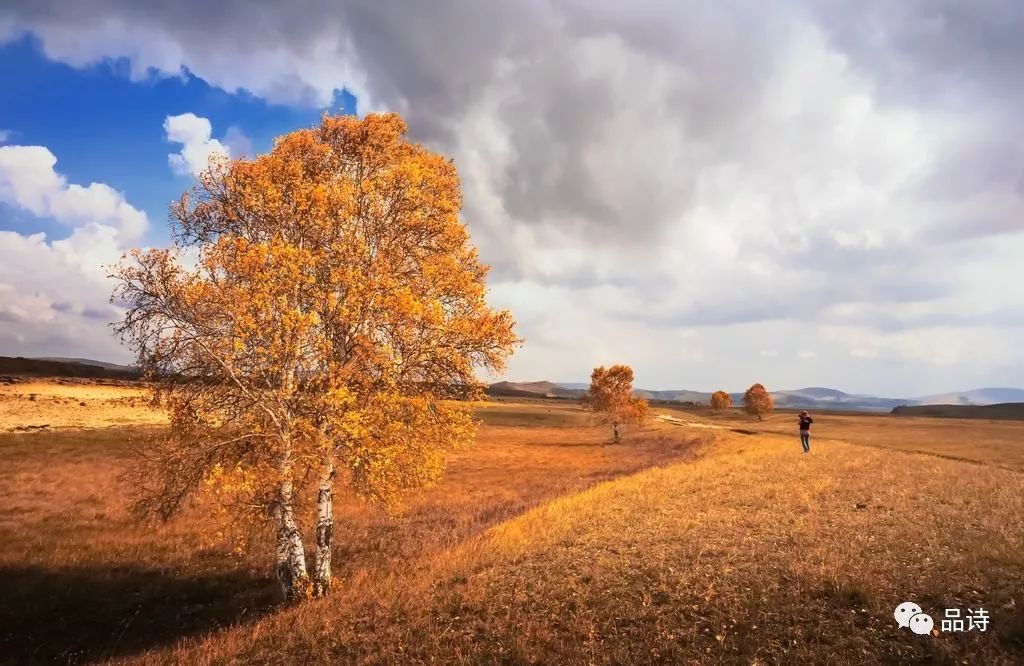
x=998 y=443
x=44 y=405
x=542 y=545
x=751 y=554
x=82 y=582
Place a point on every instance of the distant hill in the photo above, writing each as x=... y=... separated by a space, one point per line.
x=1005 y=403
x=675 y=396
x=981 y=396
x=533 y=390
x=811 y=397
x=40 y=367
x=819 y=393
x=88 y=361
x=1013 y=411
x=817 y=397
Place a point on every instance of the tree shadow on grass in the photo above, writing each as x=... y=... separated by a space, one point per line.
x=84 y=614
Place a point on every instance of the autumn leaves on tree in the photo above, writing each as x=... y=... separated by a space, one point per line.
x=318 y=322
x=330 y=306
x=720 y=400
x=611 y=397
x=757 y=401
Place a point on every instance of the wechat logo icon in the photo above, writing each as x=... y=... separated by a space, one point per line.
x=909 y=614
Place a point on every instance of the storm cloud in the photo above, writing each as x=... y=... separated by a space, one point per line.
x=827 y=170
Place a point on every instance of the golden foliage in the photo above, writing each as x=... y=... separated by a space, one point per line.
x=611 y=397
x=721 y=400
x=757 y=401
x=334 y=305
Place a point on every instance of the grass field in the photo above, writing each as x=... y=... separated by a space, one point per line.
x=82 y=582
x=70 y=403
x=992 y=442
x=542 y=544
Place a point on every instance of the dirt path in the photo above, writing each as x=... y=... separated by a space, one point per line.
x=690 y=424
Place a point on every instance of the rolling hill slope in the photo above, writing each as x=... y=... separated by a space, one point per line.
x=533 y=390
x=88 y=361
x=1013 y=411
x=675 y=565
x=981 y=396
x=813 y=397
x=808 y=398
x=81 y=368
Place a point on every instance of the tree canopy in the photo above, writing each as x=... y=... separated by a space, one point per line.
x=757 y=401
x=721 y=400
x=321 y=306
x=611 y=397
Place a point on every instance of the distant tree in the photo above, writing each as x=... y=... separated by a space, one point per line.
x=757 y=401
x=332 y=307
x=611 y=397
x=721 y=400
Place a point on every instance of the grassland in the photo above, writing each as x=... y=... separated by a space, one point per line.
x=997 y=443
x=27 y=405
x=687 y=543
x=82 y=582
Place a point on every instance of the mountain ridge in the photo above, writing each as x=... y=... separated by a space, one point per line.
x=20 y=366
x=810 y=397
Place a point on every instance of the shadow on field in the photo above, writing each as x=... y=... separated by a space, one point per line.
x=74 y=615
x=533 y=417
x=596 y=443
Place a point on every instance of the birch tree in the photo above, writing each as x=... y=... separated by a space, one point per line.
x=326 y=328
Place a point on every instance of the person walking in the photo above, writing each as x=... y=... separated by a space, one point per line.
x=805 y=431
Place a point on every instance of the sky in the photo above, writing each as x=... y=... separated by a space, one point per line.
x=800 y=193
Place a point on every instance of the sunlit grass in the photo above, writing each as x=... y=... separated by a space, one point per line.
x=753 y=553
x=546 y=544
x=83 y=582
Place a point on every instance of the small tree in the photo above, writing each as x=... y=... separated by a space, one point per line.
x=757 y=401
x=720 y=400
x=334 y=308
x=611 y=397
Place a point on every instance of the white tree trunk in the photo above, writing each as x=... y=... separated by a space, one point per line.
x=324 y=532
x=291 y=558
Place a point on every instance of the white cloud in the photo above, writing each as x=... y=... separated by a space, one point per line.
x=198 y=145
x=805 y=176
x=28 y=180
x=5 y=135
x=307 y=71
x=54 y=295
x=940 y=346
